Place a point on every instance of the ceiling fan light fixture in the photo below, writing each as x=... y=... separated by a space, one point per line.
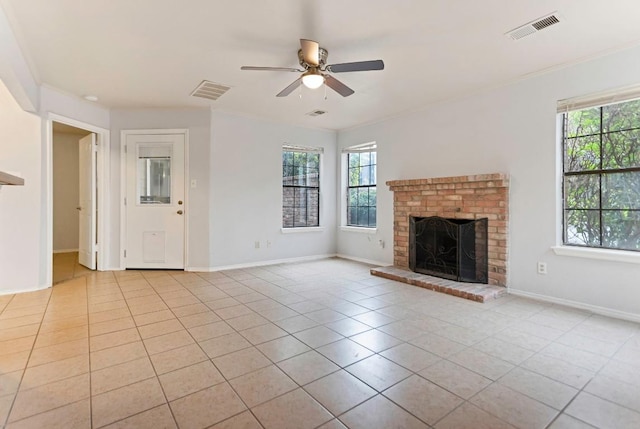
x=312 y=79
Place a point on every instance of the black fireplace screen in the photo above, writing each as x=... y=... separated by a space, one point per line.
x=453 y=249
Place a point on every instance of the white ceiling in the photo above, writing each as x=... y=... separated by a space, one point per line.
x=153 y=53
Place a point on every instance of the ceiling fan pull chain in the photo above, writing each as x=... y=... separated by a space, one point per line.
x=325 y=89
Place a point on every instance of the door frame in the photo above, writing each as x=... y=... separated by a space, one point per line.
x=103 y=141
x=123 y=187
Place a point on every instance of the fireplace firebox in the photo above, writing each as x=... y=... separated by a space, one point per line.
x=455 y=249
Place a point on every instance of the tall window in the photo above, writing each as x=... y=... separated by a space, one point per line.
x=602 y=176
x=361 y=186
x=300 y=187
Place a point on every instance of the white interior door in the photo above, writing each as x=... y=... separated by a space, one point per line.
x=87 y=203
x=155 y=201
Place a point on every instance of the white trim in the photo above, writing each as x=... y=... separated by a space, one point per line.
x=293 y=148
x=21 y=291
x=260 y=263
x=302 y=229
x=343 y=182
x=123 y=191
x=364 y=147
x=364 y=261
x=359 y=229
x=601 y=254
x=123 y=187
x=598 y=99
x=633 y=317
x=65 y=250
x=103 y=158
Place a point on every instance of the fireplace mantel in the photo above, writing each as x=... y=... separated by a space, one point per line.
x=459 y=197
x=503 y=179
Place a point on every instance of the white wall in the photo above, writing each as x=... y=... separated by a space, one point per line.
x=198 y=122
x=72 y=107
x=20 y=226
x=14 y=70
x=237 y=164
x=66 y=191
x=246 y=192
x=512 y=130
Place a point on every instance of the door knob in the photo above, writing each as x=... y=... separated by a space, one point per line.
x=179 y=212
x=180 y=202
x=78 y=208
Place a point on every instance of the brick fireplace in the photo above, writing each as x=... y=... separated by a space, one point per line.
x=460 y=197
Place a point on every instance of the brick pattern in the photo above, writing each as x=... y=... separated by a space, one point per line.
x=460 y=197
x=473 y=291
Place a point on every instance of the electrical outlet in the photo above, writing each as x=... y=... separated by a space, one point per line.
x=542 y=268
x=268 y=243
x=257 y=244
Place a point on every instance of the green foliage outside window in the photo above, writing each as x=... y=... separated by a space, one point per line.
x=602 y=176
x=361 y=189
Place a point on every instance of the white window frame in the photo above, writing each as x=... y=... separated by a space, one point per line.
x=320 y=152
x=344 y=187
x=577 y=103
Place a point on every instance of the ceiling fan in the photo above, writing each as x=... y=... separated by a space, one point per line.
x=315 y=70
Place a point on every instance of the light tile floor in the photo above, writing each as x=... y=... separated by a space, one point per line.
x=66 y=267
x=312 y=345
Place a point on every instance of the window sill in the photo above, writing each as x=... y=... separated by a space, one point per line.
x=359 y=229
x=601 y=254
x=302 y=229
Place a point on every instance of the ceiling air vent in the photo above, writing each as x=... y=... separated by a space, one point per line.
x=316 y=113
x=534 y=26
x=209 y=90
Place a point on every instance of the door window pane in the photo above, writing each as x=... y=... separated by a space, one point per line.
x=154 y=175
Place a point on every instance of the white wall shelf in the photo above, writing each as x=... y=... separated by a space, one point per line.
x=10 y=179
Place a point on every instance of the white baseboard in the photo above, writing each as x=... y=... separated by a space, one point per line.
x=604 y=311
x=364 y=261
x=12 y=291
x=260 y=263
x=65 y=250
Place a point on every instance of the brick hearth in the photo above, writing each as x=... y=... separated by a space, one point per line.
x=461 y=197
x=473 y=291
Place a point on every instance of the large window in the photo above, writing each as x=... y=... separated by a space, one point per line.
x=300 y=187
x=602 y=176
x=361 y=186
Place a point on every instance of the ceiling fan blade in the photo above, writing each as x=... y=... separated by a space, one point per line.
x=338 y=86
x=287 y=69
x=288 y=90
x=357 y=66
x=310 y=52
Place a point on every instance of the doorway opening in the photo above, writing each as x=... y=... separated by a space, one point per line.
x=67 y=201
x=77 y=195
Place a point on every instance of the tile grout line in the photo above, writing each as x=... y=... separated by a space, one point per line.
x=148 y=356
x=395 y=303
x=24 y=370
x=198 y=344
x=215 y=366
